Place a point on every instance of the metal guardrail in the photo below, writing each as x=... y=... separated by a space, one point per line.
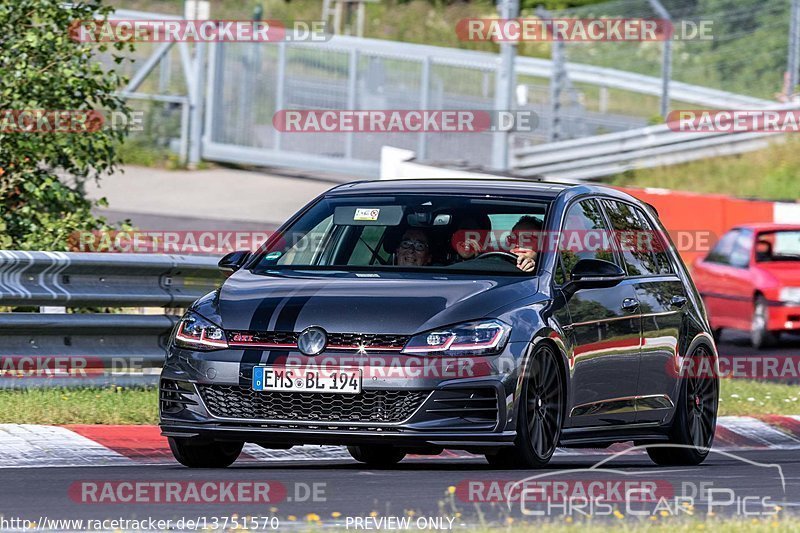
x=606 y=155
x=104 y=279
x=124 y=345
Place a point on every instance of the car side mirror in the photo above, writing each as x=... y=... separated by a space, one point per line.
x=233 y=261
x=594 y=274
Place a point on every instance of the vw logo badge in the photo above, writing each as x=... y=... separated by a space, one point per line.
x=312 y=341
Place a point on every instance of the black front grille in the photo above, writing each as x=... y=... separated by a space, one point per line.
x=367 y=340
x=266 y=337
x=233 y=401
x=375 y=341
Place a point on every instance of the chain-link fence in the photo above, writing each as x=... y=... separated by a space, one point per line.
x=748 y=54
x=585 y=88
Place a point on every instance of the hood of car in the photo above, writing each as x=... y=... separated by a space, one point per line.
x=362 y=303
x=786 y=273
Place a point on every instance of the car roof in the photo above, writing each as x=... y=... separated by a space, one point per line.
x=767 y=226
x=470 y=186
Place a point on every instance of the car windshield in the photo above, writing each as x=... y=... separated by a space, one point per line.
x=408 y=232
x=783 y=245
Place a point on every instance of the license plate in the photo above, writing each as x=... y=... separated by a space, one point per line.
x=300 y=379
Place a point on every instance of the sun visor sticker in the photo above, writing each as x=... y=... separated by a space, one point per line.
x=386 y=215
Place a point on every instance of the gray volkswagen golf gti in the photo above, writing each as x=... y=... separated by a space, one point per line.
x=501 y=317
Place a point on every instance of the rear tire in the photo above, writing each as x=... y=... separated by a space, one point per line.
x=694 y=422
x=196 y=453
x=760 y=336
x=376 y=455
x=539 y=416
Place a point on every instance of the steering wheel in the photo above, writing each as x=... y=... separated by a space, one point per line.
x=508 y=256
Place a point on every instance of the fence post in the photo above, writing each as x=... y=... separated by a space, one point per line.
x=504 y=86
x=424 y=103
x=280 y=82
x=666 y=58
x=197 y=10
x=352 y=87
x=794 y=45
x=556 y=88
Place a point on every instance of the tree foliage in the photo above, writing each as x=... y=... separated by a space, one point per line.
x=43 y=68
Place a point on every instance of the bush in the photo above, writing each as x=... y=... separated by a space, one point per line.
x=43 y=68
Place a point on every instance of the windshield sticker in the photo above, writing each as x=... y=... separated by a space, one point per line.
x=367 y=214
x=274 y=255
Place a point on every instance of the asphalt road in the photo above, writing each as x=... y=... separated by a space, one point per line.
x=738 y=343
x=420 y=485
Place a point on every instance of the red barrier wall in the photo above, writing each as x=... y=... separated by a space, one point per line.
x=696 y=221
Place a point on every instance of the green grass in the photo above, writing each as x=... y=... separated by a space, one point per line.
x=746 y=397
x=734 y=525
x=780 y=523
x=113 y=405
x=666 y=525
x=771 y=173
x=117 y=405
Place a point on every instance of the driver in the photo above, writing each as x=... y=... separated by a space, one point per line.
x=414 y=249
x=468 y=248
x=525 y=230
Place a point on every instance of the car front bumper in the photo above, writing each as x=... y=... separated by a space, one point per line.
x=784 y=317
x=208 y=395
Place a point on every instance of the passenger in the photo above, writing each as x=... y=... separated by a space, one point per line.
x=414 y=249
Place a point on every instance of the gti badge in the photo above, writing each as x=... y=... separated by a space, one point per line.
x=312 y=341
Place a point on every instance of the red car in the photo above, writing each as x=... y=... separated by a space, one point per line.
x=751 y=281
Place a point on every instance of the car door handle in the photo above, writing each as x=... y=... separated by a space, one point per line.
x=630 y=304
x=678 y=301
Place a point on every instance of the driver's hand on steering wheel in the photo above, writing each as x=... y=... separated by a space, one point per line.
x=526 y=259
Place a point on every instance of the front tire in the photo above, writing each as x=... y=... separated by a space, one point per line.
x=695 y=419
x=760 y=336
x=539 y=417
x=377 y=455
x=195 y=453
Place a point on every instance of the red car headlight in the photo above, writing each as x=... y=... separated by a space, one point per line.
x=483 y=337
x=197 y=333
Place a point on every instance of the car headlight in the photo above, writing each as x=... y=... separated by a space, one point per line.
x=197 y=333
x=483 y=337
x=790 y=295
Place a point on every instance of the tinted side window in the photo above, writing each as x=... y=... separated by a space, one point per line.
x=643 y=250
x=721 y=253
x=659 y=244
x=582 y=237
